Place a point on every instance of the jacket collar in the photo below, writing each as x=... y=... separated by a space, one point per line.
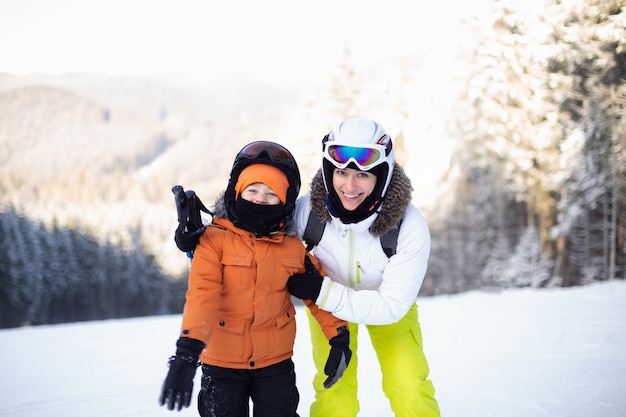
x=395 y=203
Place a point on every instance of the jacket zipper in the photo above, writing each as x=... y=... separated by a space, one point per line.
x=353 y=278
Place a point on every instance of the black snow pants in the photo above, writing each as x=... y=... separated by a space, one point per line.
x=226 y=392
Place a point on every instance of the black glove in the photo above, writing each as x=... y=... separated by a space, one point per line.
x=190 y=226
x=338 y=358
x=187 y=241
x=178 y=385
x=306 y=286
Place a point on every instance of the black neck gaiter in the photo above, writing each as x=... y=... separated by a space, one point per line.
x=362 y=212
x=262 y=219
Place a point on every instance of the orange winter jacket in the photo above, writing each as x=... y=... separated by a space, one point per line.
x=237 y=298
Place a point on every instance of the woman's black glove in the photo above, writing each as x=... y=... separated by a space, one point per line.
x=178 y=385
x=339 y=356
x=306 y=286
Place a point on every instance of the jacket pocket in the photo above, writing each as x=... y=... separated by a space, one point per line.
x=277 y=339
x=291 y=264
x=288 y=265
x=416 y=329
x=236 y=273
x=228 y=341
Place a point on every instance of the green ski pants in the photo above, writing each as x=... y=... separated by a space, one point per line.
x=402 y=363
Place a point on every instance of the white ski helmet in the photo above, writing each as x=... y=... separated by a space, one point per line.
x=362 y=144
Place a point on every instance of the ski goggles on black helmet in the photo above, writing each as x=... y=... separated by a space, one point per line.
x=274 y=152
x=365 y=157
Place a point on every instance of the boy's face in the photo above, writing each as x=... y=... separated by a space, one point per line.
x=259 y=193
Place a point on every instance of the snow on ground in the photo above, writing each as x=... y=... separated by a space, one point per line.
x=517 y=353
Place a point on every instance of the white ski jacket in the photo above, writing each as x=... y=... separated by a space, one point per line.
x=364 y=285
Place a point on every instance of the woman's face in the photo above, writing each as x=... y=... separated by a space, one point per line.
x=353 y=186
x=259 y=193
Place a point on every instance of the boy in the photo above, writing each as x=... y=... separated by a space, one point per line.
x=238 y=317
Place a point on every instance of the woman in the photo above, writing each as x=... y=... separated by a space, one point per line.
x=238 y=317
x=360 y=193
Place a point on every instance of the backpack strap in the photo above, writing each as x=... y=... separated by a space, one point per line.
x=313 y=231
x=389 y=241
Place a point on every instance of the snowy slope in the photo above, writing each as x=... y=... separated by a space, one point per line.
x=519 y=353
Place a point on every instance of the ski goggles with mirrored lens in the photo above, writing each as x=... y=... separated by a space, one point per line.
x=276 y=152
x=364 y=158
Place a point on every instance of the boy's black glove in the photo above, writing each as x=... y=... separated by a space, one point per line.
x=187 y=241
x=306 y=286
x=178 y=385
x=190 y=226
x=338 y=358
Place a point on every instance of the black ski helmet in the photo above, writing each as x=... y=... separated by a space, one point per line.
x=269 y=153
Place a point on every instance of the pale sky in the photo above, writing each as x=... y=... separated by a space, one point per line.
x=279 y=39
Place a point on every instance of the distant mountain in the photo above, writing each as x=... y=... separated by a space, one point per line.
x=49 y=134
x=55 y=129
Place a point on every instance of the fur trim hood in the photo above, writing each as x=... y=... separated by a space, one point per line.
x=219 y=210
x=395 y=203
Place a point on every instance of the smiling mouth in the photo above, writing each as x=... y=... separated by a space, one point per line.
x=350 y=196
